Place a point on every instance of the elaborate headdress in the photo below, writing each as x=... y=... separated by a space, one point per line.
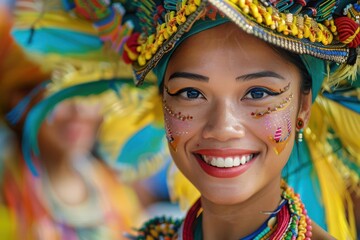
x=80 y=67
x=324 y=29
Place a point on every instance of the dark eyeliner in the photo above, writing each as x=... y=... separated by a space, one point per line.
x=267 y=91
x=178 y=92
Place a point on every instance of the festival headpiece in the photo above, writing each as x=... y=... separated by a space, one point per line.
x=82 y=67
x=326 y=29
x=325 y=33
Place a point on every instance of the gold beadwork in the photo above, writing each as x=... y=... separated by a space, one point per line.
x=164 y=31
x=283 y=104
x=265 y=22
x=177 y=115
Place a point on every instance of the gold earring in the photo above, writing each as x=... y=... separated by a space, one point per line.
x=299 y=127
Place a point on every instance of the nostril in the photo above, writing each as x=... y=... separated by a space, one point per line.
x=237 y=128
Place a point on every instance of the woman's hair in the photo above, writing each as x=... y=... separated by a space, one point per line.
x=294 y=58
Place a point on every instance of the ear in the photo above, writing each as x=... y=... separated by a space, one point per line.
x=305 y=108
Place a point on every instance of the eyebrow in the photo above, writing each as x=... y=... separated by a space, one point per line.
x=192 y=76
x=262 y=74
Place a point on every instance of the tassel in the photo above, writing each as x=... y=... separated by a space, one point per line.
x=343 y=73
x=348 y=31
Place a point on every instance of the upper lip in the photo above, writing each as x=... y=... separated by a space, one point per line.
x=224 y=152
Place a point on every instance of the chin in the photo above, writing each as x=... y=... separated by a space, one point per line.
x=227 y=198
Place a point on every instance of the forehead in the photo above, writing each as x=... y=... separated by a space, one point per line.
x=226 y=46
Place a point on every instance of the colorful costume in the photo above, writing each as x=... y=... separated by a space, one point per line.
x=29 y=206
x=324 y=33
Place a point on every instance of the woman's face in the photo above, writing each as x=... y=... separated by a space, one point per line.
x=72 y=127
x=230 y=105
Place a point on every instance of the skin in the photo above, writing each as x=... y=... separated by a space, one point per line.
x=66 y=135
x=222 y=67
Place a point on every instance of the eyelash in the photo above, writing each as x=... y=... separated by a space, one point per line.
x=252 y=90
x=260 y=89
x=181 y=91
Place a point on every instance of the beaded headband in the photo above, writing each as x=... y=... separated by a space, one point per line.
x=326 y=29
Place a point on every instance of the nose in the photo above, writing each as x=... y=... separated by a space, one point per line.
x=224 y=123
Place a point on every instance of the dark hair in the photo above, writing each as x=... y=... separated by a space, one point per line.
x=294 y=58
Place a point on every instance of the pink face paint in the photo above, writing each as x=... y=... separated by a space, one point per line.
x=280 y=126
x=175 y=125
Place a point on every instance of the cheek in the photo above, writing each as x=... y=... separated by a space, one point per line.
x=278 y=128
x=177 y=125
x=275 y=123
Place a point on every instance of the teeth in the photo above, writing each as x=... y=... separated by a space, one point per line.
x=228 y=161
x=236 y=161
x=243 y=160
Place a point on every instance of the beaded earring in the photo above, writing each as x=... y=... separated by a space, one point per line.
x=299 y=127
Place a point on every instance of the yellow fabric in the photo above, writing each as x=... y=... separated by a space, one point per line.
x=346 y=124
x=181 y=189
x=333 y=180
x=124 y=116
x=7 y=224
x=347 y=72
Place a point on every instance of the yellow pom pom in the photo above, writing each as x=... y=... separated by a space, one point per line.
x=141 y=60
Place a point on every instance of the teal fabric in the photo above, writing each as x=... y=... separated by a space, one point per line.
x=57 y=41
x=299 y=172
x=317 y=70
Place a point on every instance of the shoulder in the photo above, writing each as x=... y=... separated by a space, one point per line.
x=319 y=233
x=158 y=227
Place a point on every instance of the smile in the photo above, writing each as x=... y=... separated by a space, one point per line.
x=225 y=163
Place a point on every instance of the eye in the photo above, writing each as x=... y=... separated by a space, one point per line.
x=259 y=93
x=191 y=93
x=187 y=93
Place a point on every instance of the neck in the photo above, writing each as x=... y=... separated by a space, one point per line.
x=63 y=178
x=239 y=220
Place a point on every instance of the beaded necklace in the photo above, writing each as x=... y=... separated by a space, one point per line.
x=289 y=221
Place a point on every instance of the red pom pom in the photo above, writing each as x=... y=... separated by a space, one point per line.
x=130 y=54
x=348 y=31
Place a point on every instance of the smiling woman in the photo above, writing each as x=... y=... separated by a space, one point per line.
x=230 y=111
x=236 y=97
x=237 y=80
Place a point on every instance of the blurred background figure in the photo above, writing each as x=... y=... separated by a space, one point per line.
x=75 y=196
x=131 y=138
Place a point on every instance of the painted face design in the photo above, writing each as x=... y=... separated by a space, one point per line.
x=176 y=124
x=278 y=128
x=277 y=121
x=277 y=107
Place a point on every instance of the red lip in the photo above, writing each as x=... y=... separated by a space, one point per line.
x=225 y=152
x=219 y=172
